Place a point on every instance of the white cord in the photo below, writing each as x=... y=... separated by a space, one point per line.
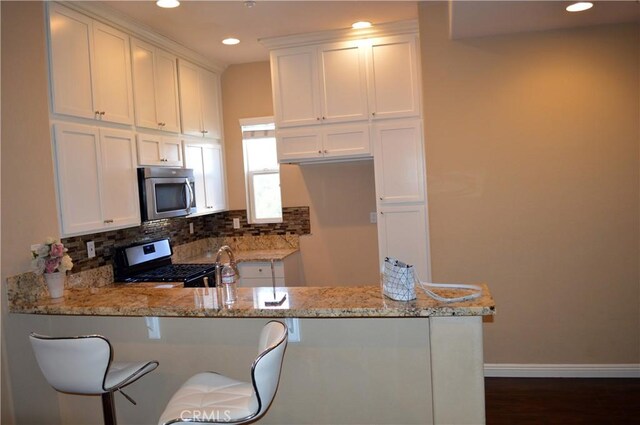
x=425 y=285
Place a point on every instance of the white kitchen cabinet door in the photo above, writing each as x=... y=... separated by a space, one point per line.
x=112 y=74
x=199 y=101
x=296 y=144
x=154 y=150
x=343 y=79
x=77 y=150
x=155 y=87
x=402 y=234
x=394 y=86
x=190 y=109
x=193 y=158
x=210 y=104
x=119 y=186
x=207 y=162
x=144 y=84
x=346 y=140
x=399 y=161
x=70 y=41
x=294 y=76
x=214 y=177
x=257 y=274
x=166 y=77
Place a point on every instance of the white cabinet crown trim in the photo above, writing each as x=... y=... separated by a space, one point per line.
x=345 y=34
x=109 y=16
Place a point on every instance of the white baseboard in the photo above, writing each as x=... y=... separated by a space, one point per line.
x=512 y=370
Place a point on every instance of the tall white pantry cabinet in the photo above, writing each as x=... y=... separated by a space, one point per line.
x=340 y=96
x=119 y=102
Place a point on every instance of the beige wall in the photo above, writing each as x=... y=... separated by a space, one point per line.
x=342 y=248
x=28 y=199
x=532 y=147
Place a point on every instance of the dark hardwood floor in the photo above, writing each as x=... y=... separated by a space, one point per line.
x=565 y=401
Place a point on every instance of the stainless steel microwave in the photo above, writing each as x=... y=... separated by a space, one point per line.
x=166 y=192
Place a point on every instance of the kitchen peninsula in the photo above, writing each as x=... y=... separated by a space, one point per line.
x=447 y=338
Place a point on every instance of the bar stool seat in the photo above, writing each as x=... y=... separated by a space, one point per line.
x=83 y=365
x=209 y=397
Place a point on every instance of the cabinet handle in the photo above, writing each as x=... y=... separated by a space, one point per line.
x=317 y=118
x=323 y=118
x=205 y=131
x=96 y=113
x=108 y=221
x=101 y=114
x=381 y=213
x=326 y=151
x=162 y=124
x=381 y=198
x=320 y=152
x=373 y=114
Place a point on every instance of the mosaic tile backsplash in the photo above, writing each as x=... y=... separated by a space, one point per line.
x=295 y=221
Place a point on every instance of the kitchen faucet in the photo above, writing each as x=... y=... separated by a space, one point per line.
x=232 y=263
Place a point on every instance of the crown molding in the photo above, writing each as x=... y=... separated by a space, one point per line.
x=345 y=34
x=124 y=23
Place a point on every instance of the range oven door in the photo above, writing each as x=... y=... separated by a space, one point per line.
x=168 y=197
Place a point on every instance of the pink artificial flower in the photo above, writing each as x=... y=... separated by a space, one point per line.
x=51 y=265
x=57 y=250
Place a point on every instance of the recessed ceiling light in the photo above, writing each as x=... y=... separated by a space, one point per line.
x=168 y=4
x=360 y=24
x=230 y=41
x=579 y=6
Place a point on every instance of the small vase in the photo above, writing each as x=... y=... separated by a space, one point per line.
x=55 y=283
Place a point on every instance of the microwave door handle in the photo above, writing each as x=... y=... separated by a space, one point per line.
x=190 y=196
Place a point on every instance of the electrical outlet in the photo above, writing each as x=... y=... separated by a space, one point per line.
x=91 y=249
x=191 y=228
x=373 y=217
x=153 y=327
x=293 y=324
x=236 y=223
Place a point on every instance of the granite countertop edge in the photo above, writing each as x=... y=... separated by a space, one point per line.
x=302 y=302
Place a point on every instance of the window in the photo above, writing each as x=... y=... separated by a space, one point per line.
x=262 y=171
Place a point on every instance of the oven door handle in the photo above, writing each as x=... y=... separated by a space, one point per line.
x=190 y=195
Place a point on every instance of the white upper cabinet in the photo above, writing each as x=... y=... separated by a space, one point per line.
x=394 y=86
x=154 y=150
x=119 y=180
x=96 y=176
x=296 y=92
x=321 y=143
x=343 y=82
x=199 y=101
x=314 y=84
x=207 y=162
x=90 y=68
x=155 y=87
x=399 y=161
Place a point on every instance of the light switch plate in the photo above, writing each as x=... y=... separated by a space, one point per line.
x=236 y=223
x=153 y=327
x=191 y=228
x=373 y=217
x=91 y=249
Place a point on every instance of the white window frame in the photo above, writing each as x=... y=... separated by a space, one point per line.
x=248 y=175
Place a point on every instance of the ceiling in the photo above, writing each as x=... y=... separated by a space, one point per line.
x=485 y=18
x=201 y=25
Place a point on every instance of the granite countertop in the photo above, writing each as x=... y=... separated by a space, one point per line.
x=163 y=300
x=243 y=256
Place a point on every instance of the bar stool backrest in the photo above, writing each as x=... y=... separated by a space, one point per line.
x=265 y=371
x=73 y=364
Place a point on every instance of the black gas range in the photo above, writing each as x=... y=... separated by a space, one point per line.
x=151 y=262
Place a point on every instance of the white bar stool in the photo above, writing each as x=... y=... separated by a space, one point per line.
x=212 y=398
x=83 y=365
